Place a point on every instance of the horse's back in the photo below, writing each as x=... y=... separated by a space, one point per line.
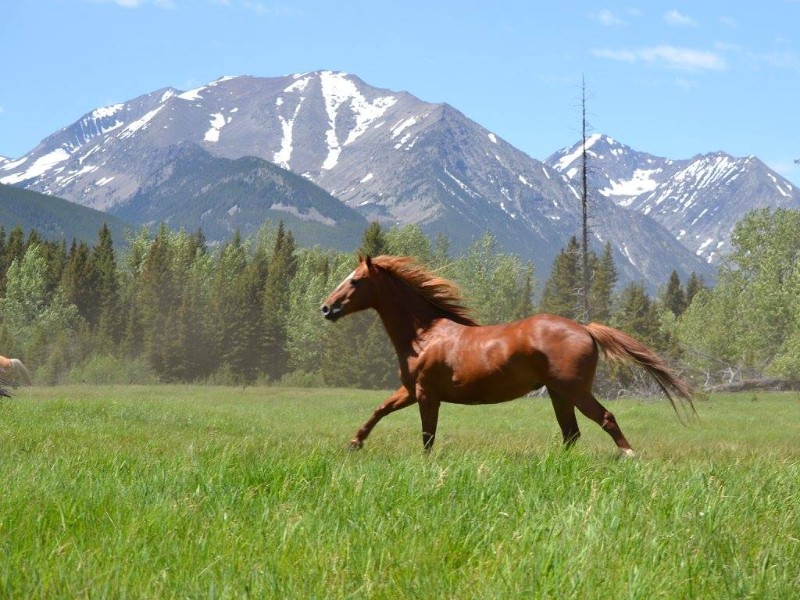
x=496 y=363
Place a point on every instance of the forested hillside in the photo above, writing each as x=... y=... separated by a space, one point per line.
x=54 y=218
x=172 y=309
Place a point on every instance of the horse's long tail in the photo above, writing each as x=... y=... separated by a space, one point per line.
x=617 y=345
x=20 y=371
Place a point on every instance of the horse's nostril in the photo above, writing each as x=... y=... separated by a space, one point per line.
x=325 y=309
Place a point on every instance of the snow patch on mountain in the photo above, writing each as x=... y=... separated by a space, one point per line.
x=568 y=159
x=139 y=123
x=338 y=90
x=106 y=111
x=63 y=180
x=192 y=95
x=300 y=84
x=398 y=129
x=781 y=191
x=40 y=166
x=217 y=123
x=284 y=155
x=641 y=182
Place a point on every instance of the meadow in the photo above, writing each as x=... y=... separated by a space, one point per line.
x=222 y=492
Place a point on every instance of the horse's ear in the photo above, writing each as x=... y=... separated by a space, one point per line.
x=365 y=259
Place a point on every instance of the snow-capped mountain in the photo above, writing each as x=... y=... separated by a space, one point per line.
x=386 y=154
x=698 y=200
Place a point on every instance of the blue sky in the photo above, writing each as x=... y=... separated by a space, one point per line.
x=671 y=78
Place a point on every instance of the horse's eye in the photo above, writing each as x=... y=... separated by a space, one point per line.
x=354 y=282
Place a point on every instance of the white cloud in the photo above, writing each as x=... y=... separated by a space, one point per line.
x=776 y=60
x=620 y=55
x=607 y=18
x=684 y=83
x=671 y=57
x=138 y=3
x=263 y=10
x=673 y=17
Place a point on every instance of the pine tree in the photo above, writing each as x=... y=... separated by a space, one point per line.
x=637 y=315
x=198 y=243
x=108 y=290
x=523 y=306
x=374 y=241
x=55 y=255
x=674 y=297
x=694 y=285
x=249 y=299
x=226 y=315
x=561 y=292
x=80 y=282
x=280 y=272
x=601 y=293
x=14 y=249
x=157 y=300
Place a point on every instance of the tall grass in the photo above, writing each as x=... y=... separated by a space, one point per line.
x=183 y=491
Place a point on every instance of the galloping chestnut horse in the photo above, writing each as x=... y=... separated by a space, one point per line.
x=11 y=372
x=445 y=356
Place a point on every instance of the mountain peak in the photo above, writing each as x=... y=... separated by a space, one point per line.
x=385 y=154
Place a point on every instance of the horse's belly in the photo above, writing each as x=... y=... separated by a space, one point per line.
x=491 y=388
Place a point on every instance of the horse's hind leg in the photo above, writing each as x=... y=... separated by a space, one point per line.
x=598 y=413
x=400 y=399
x=565 y=414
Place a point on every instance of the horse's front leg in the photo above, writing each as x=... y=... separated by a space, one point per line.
x=400 y=399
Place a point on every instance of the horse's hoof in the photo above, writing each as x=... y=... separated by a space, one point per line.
x=627 y=453
x=355 y=445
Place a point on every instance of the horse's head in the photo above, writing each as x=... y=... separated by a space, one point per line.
x=355 y=293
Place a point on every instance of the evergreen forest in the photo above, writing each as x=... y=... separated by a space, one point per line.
x=172 y=309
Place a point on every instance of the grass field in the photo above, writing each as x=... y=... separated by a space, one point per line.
x=211 y=492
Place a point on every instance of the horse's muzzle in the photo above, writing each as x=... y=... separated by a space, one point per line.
x=331 y=313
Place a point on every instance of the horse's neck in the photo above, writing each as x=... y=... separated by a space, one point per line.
x=406 y=316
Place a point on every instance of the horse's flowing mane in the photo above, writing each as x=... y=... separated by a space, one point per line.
x=441 y=293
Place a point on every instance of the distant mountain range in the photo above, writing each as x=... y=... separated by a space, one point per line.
x=347 y=153
x=698 y=200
